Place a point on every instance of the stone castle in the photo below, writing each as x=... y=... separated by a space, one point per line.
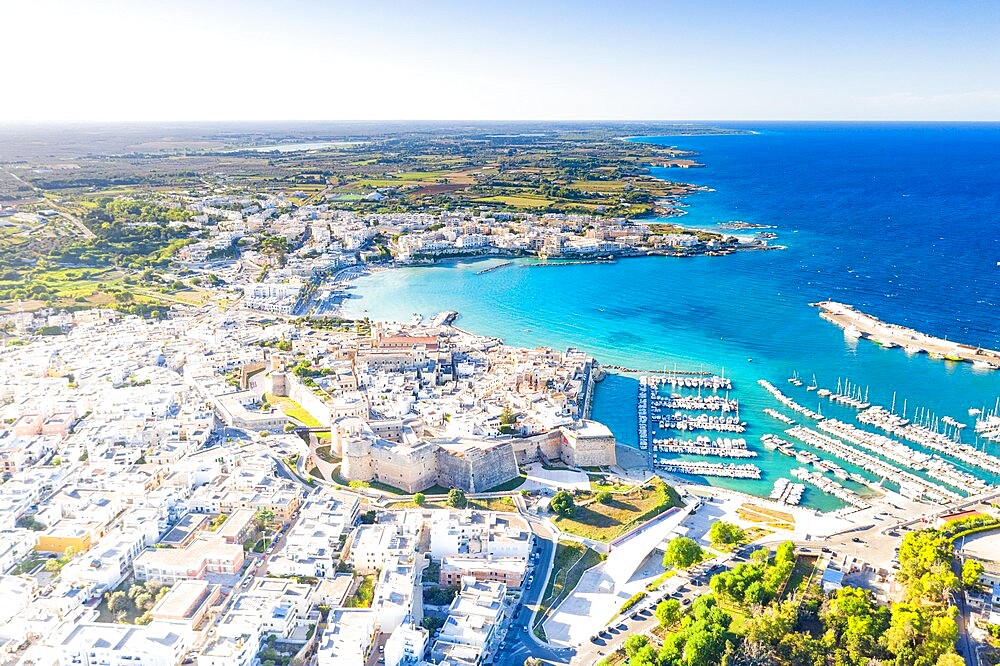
x=472 y=464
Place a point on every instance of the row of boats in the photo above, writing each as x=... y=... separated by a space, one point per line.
x=883 y=419
x=713 y=403
x=681 y=421
x=788 y=402
x=846 y=393
x=787 y=492
x=643 y=412
x=713 y=382
x=784 y=447
x=910 y=484
x=988 y=427
x=831 y=487
x=775 y=414
x=901 y=454
x=720 y=447
x=725 y=470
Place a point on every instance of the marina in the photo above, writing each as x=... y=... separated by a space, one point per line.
x=857 y=324
x=643 y=414
x=934 y=466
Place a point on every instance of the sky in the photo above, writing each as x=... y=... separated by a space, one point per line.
x=181 y=60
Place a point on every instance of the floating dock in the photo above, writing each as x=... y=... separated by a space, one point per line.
x=860 y=325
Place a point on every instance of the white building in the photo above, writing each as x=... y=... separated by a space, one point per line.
x=406 y=645
x=348 y=639
x=102 y=644
x=475 y=620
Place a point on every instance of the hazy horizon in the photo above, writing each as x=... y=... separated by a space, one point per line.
x=302 y=60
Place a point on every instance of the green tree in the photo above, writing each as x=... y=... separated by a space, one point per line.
x=603 y=497
x=950 y=659
x=457 y=499
x=562 y=504
x=971 y=570
x=419 y=499
x=633 y=644
x=668 y=612
x=507 y=421
x=723 y=533
x=682 y=552
x=117 y=601
x=144 y=601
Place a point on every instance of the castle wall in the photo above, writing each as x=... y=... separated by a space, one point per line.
x=528 y=449
x=410 y=469
x=356 y=463
x=477 y=469
x=589 y=444
x=311 y=402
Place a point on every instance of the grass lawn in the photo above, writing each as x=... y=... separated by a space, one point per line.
x=510 y=485
x=28 y=565
x=325 y=453
x=749 y=535
x=661 y=579
x=385 y=487
x=804 y=568
x=505 y=504
x=758 y=514
x=293 y=410
x=493 y=504
x=597 y=486
x=740 y=616
x=604 y=522
x=422 y=175
x=571 y=560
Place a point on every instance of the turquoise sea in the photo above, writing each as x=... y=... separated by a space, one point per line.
x=900 y=220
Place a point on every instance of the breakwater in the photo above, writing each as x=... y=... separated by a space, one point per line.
x=857 y=324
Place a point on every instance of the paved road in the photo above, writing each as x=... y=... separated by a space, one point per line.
x=520 y=644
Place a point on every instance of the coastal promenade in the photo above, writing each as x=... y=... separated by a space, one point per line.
x=859 y=324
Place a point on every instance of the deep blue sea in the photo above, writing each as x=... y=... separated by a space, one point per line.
x=900 y=220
